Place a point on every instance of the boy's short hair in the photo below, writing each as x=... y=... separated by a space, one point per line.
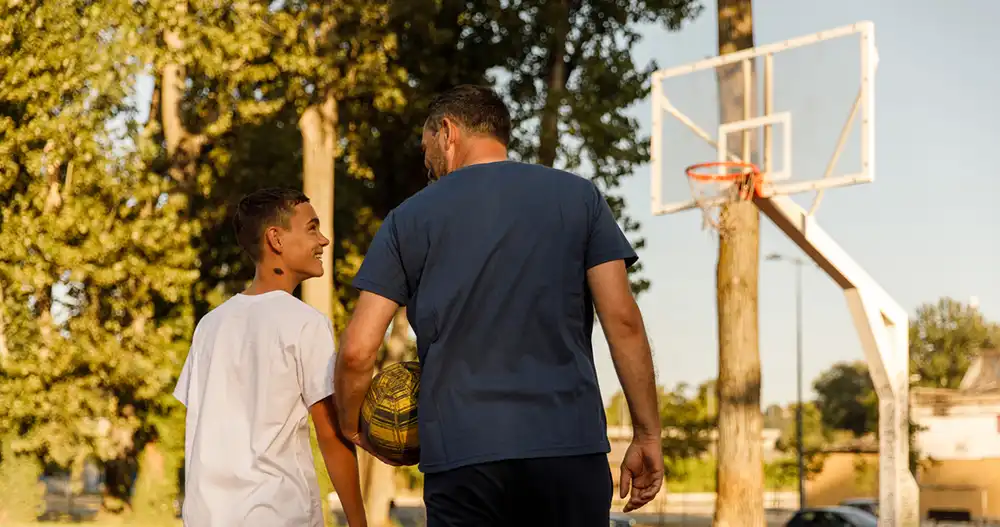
x=262 y=209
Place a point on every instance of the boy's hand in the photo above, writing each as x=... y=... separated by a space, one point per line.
x=341 y=461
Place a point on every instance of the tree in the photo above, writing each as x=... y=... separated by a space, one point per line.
x=847 y=399
x=848 y=406
x=107 y=315
x=944 y=337
x=351 y=52
x=93 y=323
x=688 y=425
x=572 y=80
x=741 y=479
x=815 y=438
x=685 y=419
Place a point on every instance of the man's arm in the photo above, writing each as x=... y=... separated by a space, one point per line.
x=642 y=466
x=356 y=360
x=341 y=460
x=623 y=327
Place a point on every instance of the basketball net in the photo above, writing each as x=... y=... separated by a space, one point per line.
x=731 y=181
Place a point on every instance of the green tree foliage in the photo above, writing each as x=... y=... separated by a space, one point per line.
x=251 y=72
x=684 y=417
x=846 y=398
x=439 y=43
x=127 y=226
x=944 y=337
x=572 y=80
x=98 y=266
x=815 y=438
x=687 y=422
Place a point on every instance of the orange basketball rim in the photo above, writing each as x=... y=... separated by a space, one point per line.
x=747 y=174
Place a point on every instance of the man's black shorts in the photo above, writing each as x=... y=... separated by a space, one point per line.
x=572 y=491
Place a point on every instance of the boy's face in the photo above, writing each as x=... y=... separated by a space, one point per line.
x=302 y=243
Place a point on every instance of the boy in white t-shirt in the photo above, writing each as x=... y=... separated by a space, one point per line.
x=260 y=364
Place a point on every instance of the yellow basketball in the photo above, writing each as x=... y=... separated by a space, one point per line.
x=389 y=413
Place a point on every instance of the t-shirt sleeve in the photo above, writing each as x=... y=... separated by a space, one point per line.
x=184 y=379
x=606 y=241
x=316 y=358
x=382 y=271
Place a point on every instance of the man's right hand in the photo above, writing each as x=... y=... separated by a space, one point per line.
x=642 y=471
x=361 y=440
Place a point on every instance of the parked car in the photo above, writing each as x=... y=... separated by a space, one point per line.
x=838 y=516
x=869 y=505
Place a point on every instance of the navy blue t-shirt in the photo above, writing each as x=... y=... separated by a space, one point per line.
x=491 y=264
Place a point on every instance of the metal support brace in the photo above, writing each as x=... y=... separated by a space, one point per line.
x=883 y=328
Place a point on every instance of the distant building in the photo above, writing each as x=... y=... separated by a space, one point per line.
x=960 y=433
x=962 y=423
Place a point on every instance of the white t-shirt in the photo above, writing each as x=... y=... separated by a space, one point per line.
x=256 y=365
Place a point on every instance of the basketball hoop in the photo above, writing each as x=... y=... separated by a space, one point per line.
x=733 y=181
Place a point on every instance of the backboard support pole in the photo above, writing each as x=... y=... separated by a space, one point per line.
x=882 y=326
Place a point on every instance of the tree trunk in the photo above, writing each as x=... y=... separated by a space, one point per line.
x=319 y=133
x=740 y=482
x=555 y=93
x=183 y=147
x=378 y=480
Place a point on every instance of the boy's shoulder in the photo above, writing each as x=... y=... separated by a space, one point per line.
x=277 y=306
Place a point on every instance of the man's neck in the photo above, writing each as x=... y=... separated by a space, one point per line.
x=486 y=151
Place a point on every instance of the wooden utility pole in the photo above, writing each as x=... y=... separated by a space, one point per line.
x=740 y=477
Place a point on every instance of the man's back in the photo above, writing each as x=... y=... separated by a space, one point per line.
x=494 y=260
x=256 y=365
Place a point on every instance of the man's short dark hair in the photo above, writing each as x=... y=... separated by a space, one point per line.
x=476 y=108
x=262 y=209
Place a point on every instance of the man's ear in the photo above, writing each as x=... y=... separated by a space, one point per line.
x=450 y=130
x=272 y=236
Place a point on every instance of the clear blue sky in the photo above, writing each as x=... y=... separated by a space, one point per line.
x=926 y=228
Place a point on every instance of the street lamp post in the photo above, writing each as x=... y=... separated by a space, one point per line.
x=798 y=263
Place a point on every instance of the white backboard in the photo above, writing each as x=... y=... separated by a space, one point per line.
x=804 y=114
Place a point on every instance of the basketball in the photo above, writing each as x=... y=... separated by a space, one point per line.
x=389 y=413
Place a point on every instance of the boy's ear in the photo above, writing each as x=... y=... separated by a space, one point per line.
x=272 y=237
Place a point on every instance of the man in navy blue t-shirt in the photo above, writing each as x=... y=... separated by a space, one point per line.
x=500 y=264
